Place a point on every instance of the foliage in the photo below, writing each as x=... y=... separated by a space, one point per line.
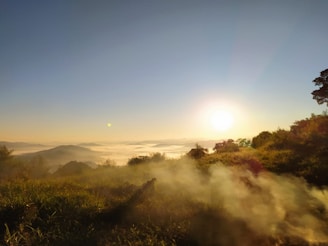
x=12 y=168
x=126 y=206
x=244 y=142
x=261 y=139
x=108 y=163
x=226 y=146
x=72 y=168
x=245 y=157
x=46 y=213
x=65 y=211
x=197 y=153
x=153 y=158
x=302 y=151
x=5 y=154
x=321 y=95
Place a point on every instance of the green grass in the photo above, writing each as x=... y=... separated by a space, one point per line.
x=74 y=211
x=44 y=212
x=115 y=206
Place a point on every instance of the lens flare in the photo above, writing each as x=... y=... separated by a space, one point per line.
x=221 y=120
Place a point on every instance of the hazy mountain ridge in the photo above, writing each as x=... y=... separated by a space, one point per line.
x=119 y=152
x=16 y=145
x=64 y=153
x=208 y=143
x=91 y=144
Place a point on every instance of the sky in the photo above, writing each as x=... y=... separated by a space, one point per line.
x=157 y=69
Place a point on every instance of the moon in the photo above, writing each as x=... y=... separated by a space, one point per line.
x=221 y=120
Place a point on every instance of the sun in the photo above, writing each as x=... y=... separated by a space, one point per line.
x=221 y=120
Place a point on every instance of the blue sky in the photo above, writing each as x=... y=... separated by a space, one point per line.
x=153 y=69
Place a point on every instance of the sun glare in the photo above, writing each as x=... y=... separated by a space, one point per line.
x=221 y=120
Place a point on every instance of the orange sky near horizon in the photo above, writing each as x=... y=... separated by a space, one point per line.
x=157 y=70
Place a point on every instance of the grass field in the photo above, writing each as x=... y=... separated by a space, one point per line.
x=172 y=202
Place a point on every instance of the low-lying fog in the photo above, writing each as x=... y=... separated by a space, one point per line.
x=121 y=152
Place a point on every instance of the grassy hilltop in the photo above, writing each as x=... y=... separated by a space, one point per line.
x=268 y=191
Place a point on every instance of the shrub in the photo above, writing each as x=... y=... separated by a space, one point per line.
x=153 y=158
x=197 y=153
x=226 y=146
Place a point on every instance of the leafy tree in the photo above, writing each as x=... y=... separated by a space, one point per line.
x=302 y=151
x=226 y=146
x=198 y=152
x=244 y=142
x=321 y=95
x=261 y=139
x=138 y=160
x=5 y=154
x=108 y=163
x=280 y=140
x=153 y=158
x=157 y=157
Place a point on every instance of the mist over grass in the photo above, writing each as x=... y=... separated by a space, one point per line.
x=118 y=152
x=224 y=205
x=267 y=204
x=268 y=191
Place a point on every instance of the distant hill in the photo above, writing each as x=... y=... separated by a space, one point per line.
x=89 y=144
x=63 y=154
x=71 y=168
x=20 y=145
x=23 y=147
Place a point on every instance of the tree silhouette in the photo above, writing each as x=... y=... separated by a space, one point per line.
x=321 y=95
x=261 y=139
x=226 y=146
x=5 y=153
x=197 y=152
